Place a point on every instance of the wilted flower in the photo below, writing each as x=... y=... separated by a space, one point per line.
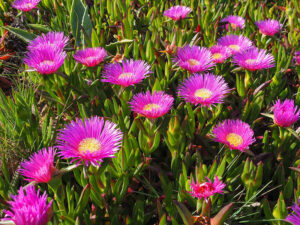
x=28 y=208
x=151 y=106
x=219 y=53
x=268 y=27
x=39 y=168
x=205 y=89
x=206 y=189
x=50 y=40
x=25 y=5
x=177 y=12
x=236 y=134
x=46 y=60
x=90 y=56
x=236 y=43
x=89 y=140
x=254 y=59
x=285 y=113
x=297 y=57
x=128 y=73
x=194 y=59
x=234 y=21
x=294 y=218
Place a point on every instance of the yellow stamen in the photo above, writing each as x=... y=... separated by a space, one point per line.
x=233 y=26
x=47 y=62
x=193 y=62
x=217 y=55
x=125 y=75
x=234 y=47
x=250 y=61
x=89 y=144
x=203 y=93
x=234 y=139
x=151 y=106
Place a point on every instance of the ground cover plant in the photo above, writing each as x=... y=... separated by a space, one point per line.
x=149 y=112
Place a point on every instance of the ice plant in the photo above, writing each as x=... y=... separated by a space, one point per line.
x=268 y=27
x=254 y=59
x=89 y=141
x=25 y=5
x=127 y=73
x=234 y=21
x=235 y=43
x=177 y=12
x=236 y=134
x=151 y=106
x=206 y=189
x=297 y=58
x=50 y=40
x=46 y=60
x=285 y=113
x=194 y=58
x=294 y=218
x=39 y=168
x=204 y=89
x=219 y=53
x=28 y=207
x=90 y=57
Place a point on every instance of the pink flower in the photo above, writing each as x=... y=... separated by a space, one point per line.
x=234 y=21
x=128 y=73
x=89 y=141
x=205 y=89
x=194 y=59
x=235 y=43
x=297 y=58
x=268 y=27
x=28 y=208
x=285 y=113
x=254 y=59
x=219 y=53
x=151 y=106
x=236 y=134
x=25 y=5
x=90 y=57
x=177 y=12
x=50 y=40
x=39 y=168
x=294 y=218
x=206 y=189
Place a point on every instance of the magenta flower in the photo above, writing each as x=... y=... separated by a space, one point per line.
x=151 y=106
x=285 y=113
x=39 y=168
x=194 y=59
x=50 y=40
x=25 y=5
x=235 y=43
x=219 y=53
x=128 y=73
x=206 y=189
x=205 y=89
x=177 y=12
x=90 y=56
x=236 y=134
x=268 y=27
x=297 y=58
x=89 y=141
x=234 y=21
x=46 y=60
x=254 y=59
x=28 y=208
x=294 y=218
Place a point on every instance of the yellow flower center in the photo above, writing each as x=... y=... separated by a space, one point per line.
x=90 y=58
x=193 y=62
x=233 y=25
x=89 y=144
x=234 y=47
x=234 y=139
x=150 y=107
x=217 y=55
x=125 y=75
x=28 y=5
x=47 y=62
x=203 y=93
x=250 y=61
